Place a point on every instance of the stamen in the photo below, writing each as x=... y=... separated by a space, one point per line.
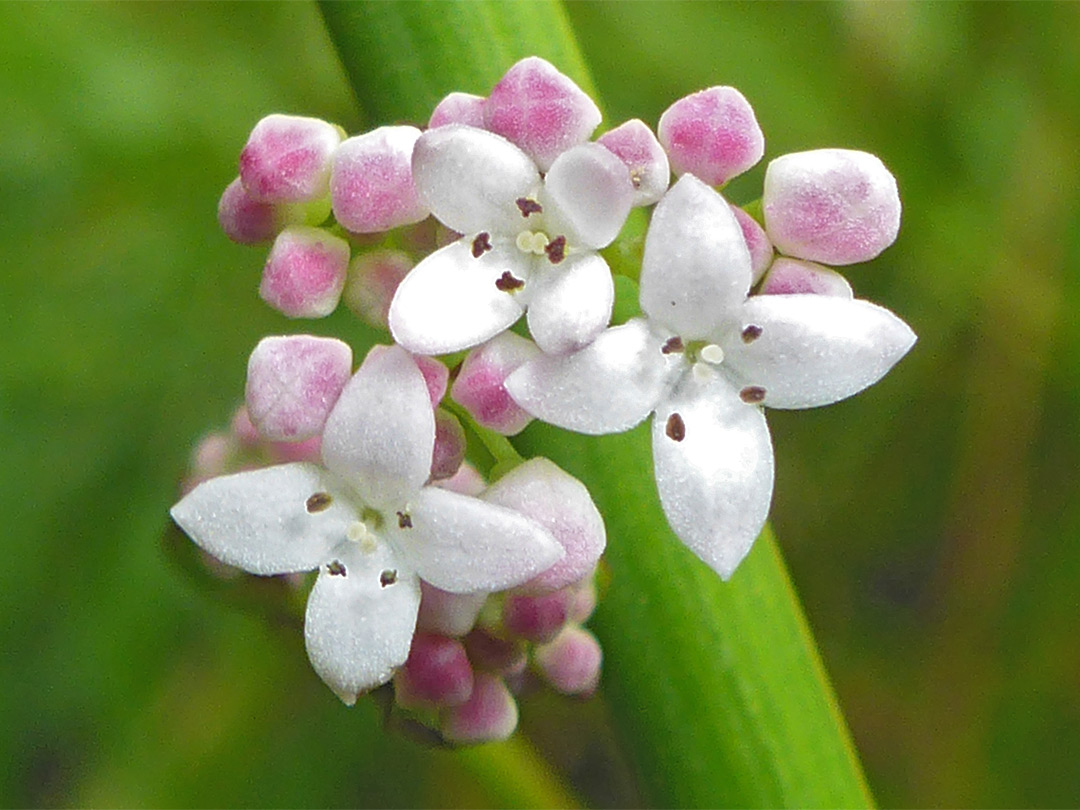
x=635 y=178
x=508 y=283
x=357 y=531
x=712 y=354
x=335 y=569
x=676 y=428
x=556 y=249
x=527 y=206
x=532 y=242
x=319 y=502
x=388 y=577
x=481 y=244
x=404 y=520
x=672 y=345
x=751 y=333
x=752 y=394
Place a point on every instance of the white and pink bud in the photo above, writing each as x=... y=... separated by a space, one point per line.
x=309 y=450
x=437 y=673
x=247 y=221
x=479 y=385
x=458 y=108
x=712 y=134
x=493 y=654
x=635 y=145
x=757 y=242
x=560 y=503
x=796 y=277
x=243 y=429
x=287 y=159
x=445 y=613
x=837 y=206
x=305 y=272
x=537 y=618
x=449 y=449
x=293 y=383
x=436 y=377
x=540 y=110
x=371 y=185
x=373 y=278
x=466 y=481
x=488 y=715
x=571 y=661
x=581 y=609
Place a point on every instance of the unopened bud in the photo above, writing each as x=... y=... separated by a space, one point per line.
x=479 y=384
x=437 y=673
x=372 y=185
x=458 y=108
x=757 y=242
x=305 y=272
x=793 y=276
x=449 y=449
x=712 y=134
x=445 y=613
x=636 y=146
x=537 y=618
x=287 y=159
x=571 y=661
x=489 y=714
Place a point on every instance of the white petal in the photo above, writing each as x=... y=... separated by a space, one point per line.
x=591 y=192
x=814 y=349
x=359 y=623
x=607 y=387
x=470 y=178
x=696 y=266
x=570 y=303
x=461 y=544
x=716 y=482
x=260 y=521
x=450 y=300
x=381 y=433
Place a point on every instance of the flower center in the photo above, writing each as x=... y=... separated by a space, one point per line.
x=703 y=357
x=363 y=531
x=532 y=242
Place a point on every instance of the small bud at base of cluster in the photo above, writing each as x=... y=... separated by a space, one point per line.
x=488 y=715
x=458 y=108
x=244 y=429
x=492 y=654
x=287 y=159
x=712 y=134
x=571 y=662
x=466 y=481
x=305 y=272
x=445 y=613
x=437 y=673
x=757 y=242
x=371 y=184
x=796 y=277
x=373 y=278
x=479 y=385
x=436 y=377
x=244 y=219
x=537 y=618
x=293 y=383
x=836 y=206
x=635 y=145
x=449 y=449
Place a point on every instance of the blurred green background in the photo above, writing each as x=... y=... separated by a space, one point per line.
x=931 y=524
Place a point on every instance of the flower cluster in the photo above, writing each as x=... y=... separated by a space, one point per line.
x=460 y=589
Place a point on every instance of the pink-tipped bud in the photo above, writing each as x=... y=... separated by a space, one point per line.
x=479 y=385
x=584 y=600
x=560 y=503
x=287 y=159
x=246 y=220
x=309 y=450
x=489 y=714
x=445 y=613
x=212 y=455
x=636 y=146
x=244 y=429
x=437 y=673
x=796 y=277
x=757 y=241
x=537 y=618
x=305 y=272
x=293 y=383
x=458 y=108
x=836 y=206
x=371 y=185
x=436 y=377
x=467 y=481
x=492 y=654
x=571 y=662
x=449 y=449
x=372 y=281
x=540 y=110
x=712 y=134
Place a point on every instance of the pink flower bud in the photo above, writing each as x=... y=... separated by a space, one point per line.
x=293 y=383
x=246 y=220
x=467 y=481
x=712 y=134
x=540 y=110
x=437 y=673
x=458 y=108
x=305 y=272
x=309 y=450
x=243 y=429
x=212 y=455
x=560 y=503
x=792 y=276
x=836 y=206
x=489 y=714
x=445 y=613
x=757 y=241
x=479 y=384
x=584 y=600
x=493 y=654
x=436 y=376
x=287 y=159
x=636 y=146
x=449 y=449
x=371 y=185
x=372 y=281
x=571 y=662
x=537 y=618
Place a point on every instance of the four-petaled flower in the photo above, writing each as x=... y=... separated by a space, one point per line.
x=370 y=526
x=705 y=359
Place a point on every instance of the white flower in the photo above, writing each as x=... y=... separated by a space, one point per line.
x=370 y=526
x=705 y=360
x=529 y=242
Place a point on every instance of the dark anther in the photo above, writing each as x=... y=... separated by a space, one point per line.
x=481 y=244
x=319 y=502
x=335 y=569
x=752 y=394
x=527 y=206
x=672 y=345
x=556 y=249
x=404 y=520
x=388 y=577
x=676 y=427
x=751 y=333
x=507 y=283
